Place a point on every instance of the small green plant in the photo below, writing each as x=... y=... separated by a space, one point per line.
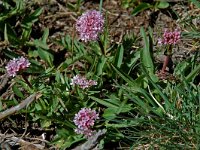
x=75 y=7
x=141 y=6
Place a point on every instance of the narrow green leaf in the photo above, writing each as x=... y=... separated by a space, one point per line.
x=17 y=10
x=26 y=34
x=119 y=56
x=45 y=123
x=103 y=102
x=35 y=68
x=194 y=73
x=140 y=8
x=138 y=101
x=9 y=34
x=126 y=78
x=159 y=89
x=17 y=91
x=125 y=123
x=45 y=35
x=145 y=54
x=110 y=113
x=101 y=64
x=100 y=5
x=46 y=56
x=40 y=44
x=71 y=6
x=30 y=19
x=5 y=33
x=163 y=4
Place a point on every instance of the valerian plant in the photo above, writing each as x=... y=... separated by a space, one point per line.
x=96 y=91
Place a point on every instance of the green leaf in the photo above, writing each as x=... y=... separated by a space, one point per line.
x=35 y=68
x=193 y=74
x=119 y=56
x=5 y=33
x=103 y=102
x=70 y=61
x=9 y=34
x=140 y=8
x=10 y=54
x=32 y=53
x=45 y=35
x=125 y=123
x=26 y=34
x=158 y=88
x=41 y=44
x=124 y=107
x=100 y=5
x=110 y=113
x=181 y=68
x=45 y=123
x=126 y=78
x=100 y=65
x=163 y=4
x=28 y=22
x=71 y=6
x=145 y=54
x=17 y=91
x=46 y=56
x=133 y=59
x=17 y=10
x=141 y=102
x=30 y=19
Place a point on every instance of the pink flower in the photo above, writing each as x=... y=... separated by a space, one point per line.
x=15 y=65
x=84 y=121
x=89 y=25
x=170 y=37
x=82 y=82
x=87 y=132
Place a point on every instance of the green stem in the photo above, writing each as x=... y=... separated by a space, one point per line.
x=100 y=5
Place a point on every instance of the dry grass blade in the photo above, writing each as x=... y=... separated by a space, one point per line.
x=92 y=141
x=4 y=81
x=24 y=144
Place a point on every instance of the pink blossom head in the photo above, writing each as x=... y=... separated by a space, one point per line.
x=87 y=132
x=89 y=25
x=84 y=120
x=170 y=37
x=82 y=82
x=16 y=64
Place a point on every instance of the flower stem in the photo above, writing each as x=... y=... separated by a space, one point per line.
x=167 y=58
x=165 y=64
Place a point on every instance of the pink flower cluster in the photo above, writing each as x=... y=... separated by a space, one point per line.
x=89 y=25
x=84 y=121
x=82 y=82
x=16 y=64
x=170 y=37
